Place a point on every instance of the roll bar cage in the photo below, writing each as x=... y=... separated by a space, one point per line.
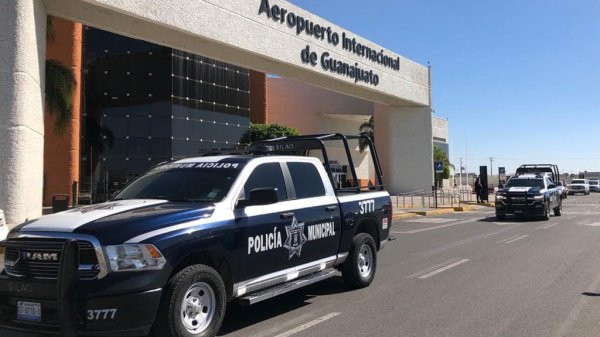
x=541 y=168
x=298 y=144
x=301 y=145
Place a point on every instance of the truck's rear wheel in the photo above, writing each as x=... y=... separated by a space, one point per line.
x=360 y=267
x=193 y=304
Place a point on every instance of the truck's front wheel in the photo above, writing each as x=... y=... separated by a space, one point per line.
x=558 y=209
x=547 y=211
x=359 y=269
x=193 y=304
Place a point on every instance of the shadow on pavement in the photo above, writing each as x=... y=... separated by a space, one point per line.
x=591 y=294
x=512 y=218
x=239 y=317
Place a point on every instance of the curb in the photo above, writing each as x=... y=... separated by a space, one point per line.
x=404 y=216
x=435 y=212
x=487 y=204
x=467 y=208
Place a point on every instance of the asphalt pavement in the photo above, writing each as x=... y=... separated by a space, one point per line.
x=463 y=274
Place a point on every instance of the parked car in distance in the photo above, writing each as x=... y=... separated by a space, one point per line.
x=594 y=186
x=564 y=191
x=579 y=186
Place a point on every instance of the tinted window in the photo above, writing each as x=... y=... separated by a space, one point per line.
x=307 y=180
x=524 y=182
x=181 y=184
x=266 y=175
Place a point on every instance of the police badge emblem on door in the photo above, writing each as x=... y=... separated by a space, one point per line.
x=295 y=238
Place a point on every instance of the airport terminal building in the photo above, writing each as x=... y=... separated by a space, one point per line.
x=159 y=81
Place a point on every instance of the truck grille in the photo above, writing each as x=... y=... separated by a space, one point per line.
x=40 y=258
x=517 y=198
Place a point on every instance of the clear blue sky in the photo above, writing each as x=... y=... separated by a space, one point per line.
x=518 y=79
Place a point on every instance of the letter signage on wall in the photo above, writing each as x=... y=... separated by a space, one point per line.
x=328 y=62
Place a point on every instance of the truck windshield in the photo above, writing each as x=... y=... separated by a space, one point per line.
x=525 y=183
x=182 y=184
x=578 y=182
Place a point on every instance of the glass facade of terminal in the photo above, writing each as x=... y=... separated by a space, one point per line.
x=144 y=104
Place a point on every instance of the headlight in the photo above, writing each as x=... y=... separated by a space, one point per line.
x=500 y=197
x=538 y=197
x=134 y=257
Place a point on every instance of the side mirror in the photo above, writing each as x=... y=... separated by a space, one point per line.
x=501 y=186
x=551 y=186
x=115 y=193
x=260 y=196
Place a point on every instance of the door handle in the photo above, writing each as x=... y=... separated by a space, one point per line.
x=287 y=215
x=330 y=208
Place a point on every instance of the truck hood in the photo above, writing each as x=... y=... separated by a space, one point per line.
x=519 y=189
x=117 y=221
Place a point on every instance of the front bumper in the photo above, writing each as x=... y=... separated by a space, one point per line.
x=536 y=208
x=70 y=307
x=133 y=313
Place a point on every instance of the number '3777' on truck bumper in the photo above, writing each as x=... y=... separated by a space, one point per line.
x=122 y=315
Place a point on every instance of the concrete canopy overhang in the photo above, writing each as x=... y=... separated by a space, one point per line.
x=233 y=31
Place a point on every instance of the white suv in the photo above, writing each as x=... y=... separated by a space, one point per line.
x=579 y=186
x=594 y=185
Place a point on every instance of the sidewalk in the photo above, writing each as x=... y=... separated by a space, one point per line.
x=407 y=213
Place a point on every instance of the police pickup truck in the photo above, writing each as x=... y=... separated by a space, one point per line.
x=529 y=194
x=168 y=253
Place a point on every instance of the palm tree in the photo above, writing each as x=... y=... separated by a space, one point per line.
x=60 y=85
x=367 y=129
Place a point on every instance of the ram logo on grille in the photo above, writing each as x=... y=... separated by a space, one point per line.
x=40 y=256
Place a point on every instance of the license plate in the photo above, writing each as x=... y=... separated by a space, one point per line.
x=518 y=211
x=29 y=311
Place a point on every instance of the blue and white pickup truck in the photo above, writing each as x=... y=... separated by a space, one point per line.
x=168 y=253
x=529 y=194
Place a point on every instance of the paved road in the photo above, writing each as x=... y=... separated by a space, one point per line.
x=455 y=275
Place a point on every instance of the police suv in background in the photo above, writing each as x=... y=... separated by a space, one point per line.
x=170 y=251
x=529 y=194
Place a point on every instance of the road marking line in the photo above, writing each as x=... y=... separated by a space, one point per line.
x=308 y=325
x=516 y=239
x=505 y=223
x=431 y=220
x=550 y=225
x=432 y=268
x=454 y=244
x=508 y=239
x=437 y=271
x=571 y=217
x=414 y=231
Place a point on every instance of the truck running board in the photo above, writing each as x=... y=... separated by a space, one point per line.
x=286 y=287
